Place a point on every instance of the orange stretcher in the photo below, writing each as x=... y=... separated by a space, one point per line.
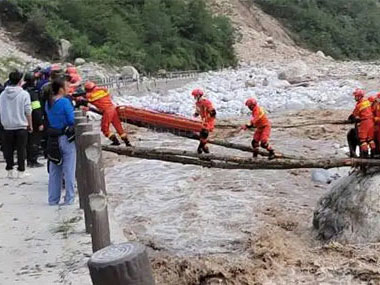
x=159 y=121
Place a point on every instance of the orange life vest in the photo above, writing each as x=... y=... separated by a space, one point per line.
x=259 y=118
x=100 y=98
x=363 y=110
x=204 y=108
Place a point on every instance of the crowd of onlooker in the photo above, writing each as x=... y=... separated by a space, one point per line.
x=36 y=121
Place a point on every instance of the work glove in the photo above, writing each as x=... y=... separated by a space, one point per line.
x=352 y=119
x=244 y=127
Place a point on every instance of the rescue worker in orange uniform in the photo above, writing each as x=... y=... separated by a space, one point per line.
x=101 y=99
x=261 y=122
x=206 y=111
x=73 y=78
x=376 y=115
x=364 y=119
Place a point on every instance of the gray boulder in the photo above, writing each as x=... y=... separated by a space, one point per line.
x=129 y=72
x=350 y=211
x=321 y=54
x=64 y=48
x=79 y=61
x=294 y=72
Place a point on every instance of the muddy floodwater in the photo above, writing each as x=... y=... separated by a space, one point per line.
x=213 y=226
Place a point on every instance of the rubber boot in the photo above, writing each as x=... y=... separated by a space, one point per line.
x=126 y=141
x=353 y=154
x=364 y=154
x=205 y=149
x=114 y=140
x=271 y=155
x=200 y=148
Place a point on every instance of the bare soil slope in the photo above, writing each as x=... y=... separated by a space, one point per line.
x=255 y=28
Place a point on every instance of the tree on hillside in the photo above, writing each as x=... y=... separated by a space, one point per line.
x=341 y=28
x=150 y=34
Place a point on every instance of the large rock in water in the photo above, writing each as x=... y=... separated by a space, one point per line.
x=350 y=211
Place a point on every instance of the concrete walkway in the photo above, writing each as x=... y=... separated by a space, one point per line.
x=40 y=244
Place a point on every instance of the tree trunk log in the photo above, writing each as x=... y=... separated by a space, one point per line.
x=305 y=124
x=92 y=172
x=234 y=162
x=122 y=264
x=80 y=128
x=100 y=230
x=247 y=148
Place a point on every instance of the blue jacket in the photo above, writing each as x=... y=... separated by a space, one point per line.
x=61 y=114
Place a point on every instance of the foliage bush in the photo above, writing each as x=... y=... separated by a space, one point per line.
x=150 y=34
x=344 y=29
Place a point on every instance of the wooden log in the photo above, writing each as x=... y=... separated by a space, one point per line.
x=307 y=124
x=279 y=126
x=81 y=183
x=223 y=143
x=234 y=162
x=121 y=264
x=100 y=224
x=93 y=174
x=247 y=148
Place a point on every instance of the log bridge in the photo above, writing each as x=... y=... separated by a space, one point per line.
x=236 y=162
x=189 y=128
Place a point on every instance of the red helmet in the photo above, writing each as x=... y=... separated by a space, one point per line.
x=251 y=102
x=89 y=85
x=197 y=92
x=372 y=98
x=378 y=95
x=358 y=93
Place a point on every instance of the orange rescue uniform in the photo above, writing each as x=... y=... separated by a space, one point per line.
x=261 y=122
x=376 y=114
x=75 y=79
x=101 y=99
x=205 y=109
x=363 y=112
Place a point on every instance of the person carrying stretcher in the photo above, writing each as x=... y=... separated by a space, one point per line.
x=363 y=117
x=206 y=111
x=260 y=121
x=101 y=99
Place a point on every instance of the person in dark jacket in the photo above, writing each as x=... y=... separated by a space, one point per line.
x=34 y=138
